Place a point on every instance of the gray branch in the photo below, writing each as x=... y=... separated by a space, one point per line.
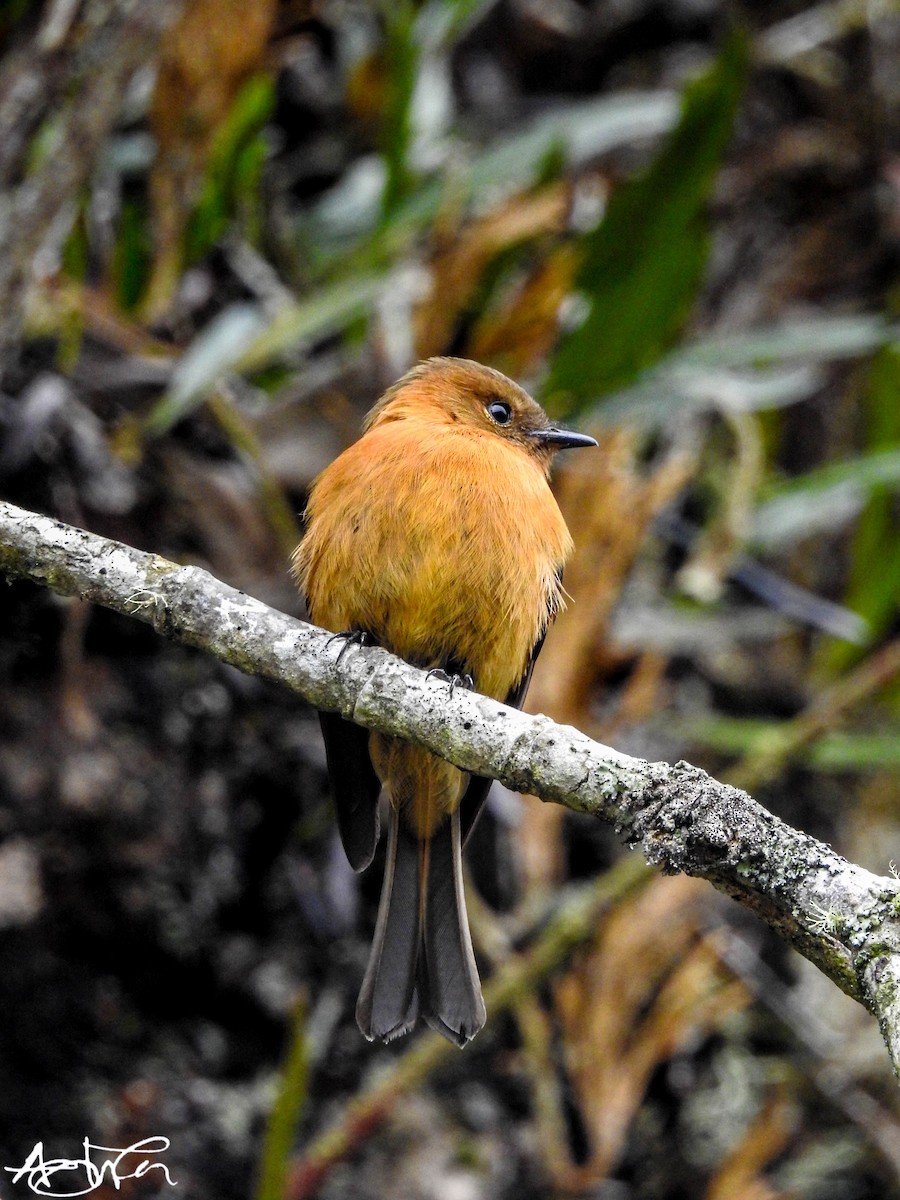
x=840 y=916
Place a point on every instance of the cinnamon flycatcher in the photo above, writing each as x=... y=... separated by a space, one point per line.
x=436 y=536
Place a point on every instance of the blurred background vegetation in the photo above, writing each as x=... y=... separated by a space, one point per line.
x=224 y=227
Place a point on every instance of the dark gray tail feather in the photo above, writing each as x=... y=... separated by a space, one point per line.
x=450 y=991
x=387 y=1003
x=422 y=962
x=354 y=786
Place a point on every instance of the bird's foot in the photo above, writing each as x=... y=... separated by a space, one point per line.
x=351 y=637
x=464 y=681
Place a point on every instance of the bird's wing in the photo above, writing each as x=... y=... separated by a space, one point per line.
x=476 y=793
x=354 y=787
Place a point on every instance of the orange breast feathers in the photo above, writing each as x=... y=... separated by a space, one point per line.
x=443 y=542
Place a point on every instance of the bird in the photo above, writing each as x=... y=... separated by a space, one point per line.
x=437 y=537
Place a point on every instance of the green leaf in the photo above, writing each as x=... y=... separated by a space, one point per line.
x=731 y=735
x=329 y=310
x=284 y=1119
x=855 y=752
x=132 y=255
x=242 y=339
x=210 y=356
x=401 y=62
x=837 y=751
x=76 y=248
x=765 y=368
x=880 y=468
x=830 y=496
x=875 y=574
x=441 y=23
x=874 y=589
x=340 y=235
x=644 y=263
x=227 y=180
x=819 y=339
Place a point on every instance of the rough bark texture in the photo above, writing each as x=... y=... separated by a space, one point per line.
x=838 y=915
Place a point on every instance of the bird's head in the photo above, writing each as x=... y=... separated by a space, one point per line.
x=459 y=391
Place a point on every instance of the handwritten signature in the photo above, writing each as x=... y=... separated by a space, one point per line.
x=41 y=1174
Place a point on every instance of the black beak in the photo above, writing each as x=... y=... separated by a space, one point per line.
x=561 y=439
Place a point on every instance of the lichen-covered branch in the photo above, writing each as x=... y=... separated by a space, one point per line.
x=841 y=917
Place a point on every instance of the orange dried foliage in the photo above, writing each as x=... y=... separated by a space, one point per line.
x=647 y=985
x=463 y=255
x=740 y=1175
x=366 y=88
x=77 y=715
x=206 y=56
x=608 y=506
x=521 y=334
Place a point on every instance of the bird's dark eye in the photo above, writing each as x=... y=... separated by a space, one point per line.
x=499 y=412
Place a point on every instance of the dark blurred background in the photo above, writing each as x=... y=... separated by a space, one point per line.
x=225 y=226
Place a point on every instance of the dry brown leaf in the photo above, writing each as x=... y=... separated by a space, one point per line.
x=464 y=254
x=646 y=986
x=365 y=90
x=520 y=336
x=536 y=1028
x=608 y=505
x=641 y=694
x=77 y=714
x=739 y=1176
x=207 y=55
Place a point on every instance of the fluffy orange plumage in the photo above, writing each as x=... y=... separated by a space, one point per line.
x=437 y=535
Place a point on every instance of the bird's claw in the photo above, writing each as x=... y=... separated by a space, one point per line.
x=464 y=681
x=350 y=637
